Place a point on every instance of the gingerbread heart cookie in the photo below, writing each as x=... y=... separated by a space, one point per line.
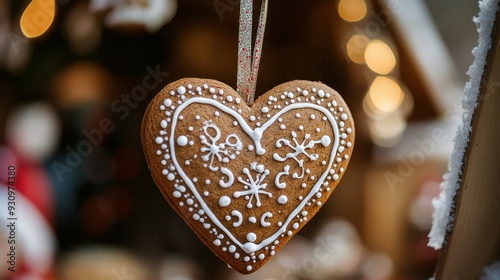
x=246 y=179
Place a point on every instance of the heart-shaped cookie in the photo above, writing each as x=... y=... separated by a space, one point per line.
x=246 y=179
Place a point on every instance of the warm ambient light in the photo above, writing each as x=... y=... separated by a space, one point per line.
x=385 y=95
x=356 y=48
x=379 y=57
x=37 y=17
x=387 y=132
x=352 y=10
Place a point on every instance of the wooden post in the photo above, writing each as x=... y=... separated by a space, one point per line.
x=474 y=241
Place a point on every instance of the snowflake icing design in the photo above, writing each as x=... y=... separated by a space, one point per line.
x=254 y=187
x=224 y=152
x=300 y=148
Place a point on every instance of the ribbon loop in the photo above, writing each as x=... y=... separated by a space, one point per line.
x=248 y=65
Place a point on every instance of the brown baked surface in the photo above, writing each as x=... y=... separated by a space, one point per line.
x=201 y=142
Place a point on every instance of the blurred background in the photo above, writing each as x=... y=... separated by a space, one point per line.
x=72 y=98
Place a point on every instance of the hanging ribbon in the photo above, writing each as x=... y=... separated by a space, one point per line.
x=248 y=65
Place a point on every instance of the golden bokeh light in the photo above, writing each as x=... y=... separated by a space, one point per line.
x=379 y=57
x=352 y=10
x=385 y=95
x=37 y=17
x=356 y=48
x=387 y=132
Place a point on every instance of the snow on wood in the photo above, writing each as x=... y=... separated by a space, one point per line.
x=443 y=205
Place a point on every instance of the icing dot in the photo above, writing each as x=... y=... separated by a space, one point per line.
x=325 y=140
x=305 y=92
x=196 y=217
x=246 y=258
x=206 y=193
x=217 y=113
x=341 y=149
x=251 y=237
x=237 y=255
x=224 y=201
x=343 y=117
x=282 y=199
x=189 y=201
x=250 y=147
x=207 y=182
x=282 y=126
x=301 y=127
x=265 y=110
x=159 y=140
x=313 y=117
x=171 y=177
x=335 y=177
x=181 y=90
x=261 y=256
x=163 y=124
x=349 y=144
x=321 y=93
x=344 y=136
x=229 y=98
x=252 y=118
x=232 y=249
x=212 y=90
x=249 y=268
x=167 y=102
x=177 y=194
x=296 y=226
x=304 y=213
x=217 y=242
x=182 y=141
x=252 y=220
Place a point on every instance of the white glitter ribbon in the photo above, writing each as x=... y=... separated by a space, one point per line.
x=248 y=66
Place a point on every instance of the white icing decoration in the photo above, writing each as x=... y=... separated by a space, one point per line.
x=217 y=242
x=265 y=110
x=251 y=237
x=224 y=201
x=252 y=220
x=238 y=215
x=277 y=182
x=255 y=135
x=299 y=149
x=283 y=199
x=181 y=90
x=182 y=141
x=224 y=152
x=230 y=177
x=263 y=218
x=170 y=176
x=255 y=186
x=159 y=140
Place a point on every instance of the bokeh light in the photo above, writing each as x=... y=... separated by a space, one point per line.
x=379 y=57
x=37 y=17
x=356 y=48
x=352 y=10
x=385 y=95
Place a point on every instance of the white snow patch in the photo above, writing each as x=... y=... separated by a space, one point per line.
x=443 y=205
x=491 y=272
